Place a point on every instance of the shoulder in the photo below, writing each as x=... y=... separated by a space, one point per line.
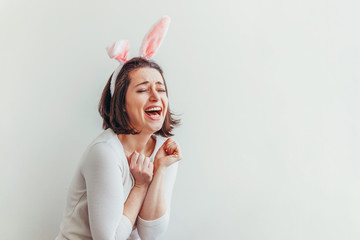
x=106 y=136
x=101 y=149
x=98 y=155
x=101 y=152
x=104 y=143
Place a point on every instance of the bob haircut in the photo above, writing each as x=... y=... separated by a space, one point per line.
x=112 y=109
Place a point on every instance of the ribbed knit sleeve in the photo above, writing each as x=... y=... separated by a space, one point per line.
x=105 y=194
x=153 y=229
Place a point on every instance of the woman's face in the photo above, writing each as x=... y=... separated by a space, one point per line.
x=146 y=91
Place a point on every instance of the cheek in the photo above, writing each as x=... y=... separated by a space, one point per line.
x=134 y=103
x=136 y=111
x=165 y=101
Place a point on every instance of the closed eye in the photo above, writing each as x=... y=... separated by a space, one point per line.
x=144 y=90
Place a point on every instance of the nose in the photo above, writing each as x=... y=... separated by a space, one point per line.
x=154 y=95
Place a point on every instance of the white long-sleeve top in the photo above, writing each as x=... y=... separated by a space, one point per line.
x=99 y=189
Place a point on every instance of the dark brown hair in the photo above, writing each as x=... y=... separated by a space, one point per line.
x=112 y=109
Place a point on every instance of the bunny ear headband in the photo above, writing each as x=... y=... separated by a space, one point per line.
x=151 y=43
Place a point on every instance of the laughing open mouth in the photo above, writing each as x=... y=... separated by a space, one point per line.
x=154 y=112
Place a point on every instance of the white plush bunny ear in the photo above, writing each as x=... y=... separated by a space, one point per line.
x=120 y=51
x=154 y=38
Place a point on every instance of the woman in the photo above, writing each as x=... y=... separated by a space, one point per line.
x=123 y=185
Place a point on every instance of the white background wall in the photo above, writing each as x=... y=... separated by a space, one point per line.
x=269 y=97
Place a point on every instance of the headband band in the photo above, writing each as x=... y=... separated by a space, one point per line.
x=151 y=43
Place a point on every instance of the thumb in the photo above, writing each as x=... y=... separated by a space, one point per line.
x=162 y=150
x=166 y=142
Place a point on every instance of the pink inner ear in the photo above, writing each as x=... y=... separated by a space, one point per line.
x=154 y=38
x=152 y=47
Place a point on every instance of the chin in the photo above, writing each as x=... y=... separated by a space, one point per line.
x=151 y=129
x=157 y=129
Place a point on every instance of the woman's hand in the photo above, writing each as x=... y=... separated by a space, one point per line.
x=168 y=154
x=141 y=168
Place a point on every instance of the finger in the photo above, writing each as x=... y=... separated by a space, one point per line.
x=176 y=157
x=134 y=158
x=146 y=163
x=140 y=161
x=171 y=145
x=169 y=142
x=151 y=166
x=172 y=148
x=166 y=142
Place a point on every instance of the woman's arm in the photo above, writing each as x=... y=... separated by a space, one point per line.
x=133 y=203
x=154 y=215
x=142 y=170
x=155 y=212
x=109 y=219
x=154 y=205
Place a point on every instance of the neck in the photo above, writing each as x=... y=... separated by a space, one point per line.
x=142 y=143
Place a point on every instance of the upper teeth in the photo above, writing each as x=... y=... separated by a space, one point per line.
x=154 y=109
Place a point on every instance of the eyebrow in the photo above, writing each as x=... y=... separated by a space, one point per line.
x=146 y=82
